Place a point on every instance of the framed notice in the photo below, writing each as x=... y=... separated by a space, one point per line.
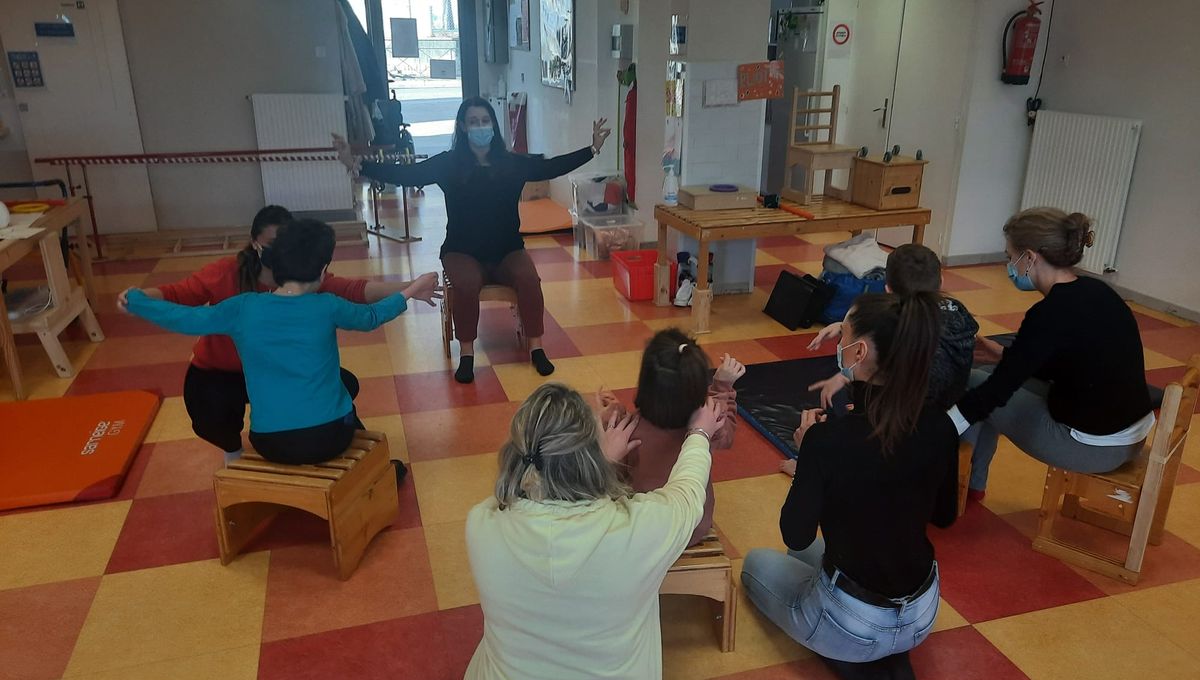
x=404 y=38
x=760 y=80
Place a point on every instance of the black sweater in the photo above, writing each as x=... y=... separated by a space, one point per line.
x=872 y=507
x=481 y=205
x=1083 y=339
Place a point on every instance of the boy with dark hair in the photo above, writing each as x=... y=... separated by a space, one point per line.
x=300 y=410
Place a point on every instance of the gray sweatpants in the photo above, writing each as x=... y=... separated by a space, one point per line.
x=1027 y=422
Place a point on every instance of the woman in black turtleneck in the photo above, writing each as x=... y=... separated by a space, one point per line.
x=482 y=181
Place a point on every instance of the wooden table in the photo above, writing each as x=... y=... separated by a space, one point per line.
x=706 y=226
x=68 y=301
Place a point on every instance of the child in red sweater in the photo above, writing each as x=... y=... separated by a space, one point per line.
x=676 y=379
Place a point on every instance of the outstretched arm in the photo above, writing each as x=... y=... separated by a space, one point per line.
x=212 y=319
x=549 y=168
x=429 y=171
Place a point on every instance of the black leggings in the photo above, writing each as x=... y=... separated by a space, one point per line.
x=216 y=403
x=306 y=445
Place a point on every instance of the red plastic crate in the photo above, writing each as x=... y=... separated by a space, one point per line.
x=633 y=273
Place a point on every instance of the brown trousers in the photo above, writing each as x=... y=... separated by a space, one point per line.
x=468 y=276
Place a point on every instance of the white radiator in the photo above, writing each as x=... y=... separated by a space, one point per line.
x=302 y=121
x=1083 y=163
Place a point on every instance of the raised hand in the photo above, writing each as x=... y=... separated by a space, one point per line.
x=425 y=288
x=831 y=332
x=600 y=133
x=730 y=370
x=123 y=299
x=808 y=418
x=829 y=387
x=710 y=417
x=347 y=158
x=615 y=440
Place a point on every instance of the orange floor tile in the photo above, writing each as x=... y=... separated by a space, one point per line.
x=131 y=587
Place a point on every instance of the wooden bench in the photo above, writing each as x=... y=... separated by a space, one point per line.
x=489 y=293
x=704 y=569
x=355 y=493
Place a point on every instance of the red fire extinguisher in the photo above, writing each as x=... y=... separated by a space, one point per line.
x=1018 y=51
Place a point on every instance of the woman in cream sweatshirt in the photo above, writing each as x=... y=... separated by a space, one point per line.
x=567 y=561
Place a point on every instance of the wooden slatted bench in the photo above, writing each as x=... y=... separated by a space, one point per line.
x=355 y=493
x=704 y=569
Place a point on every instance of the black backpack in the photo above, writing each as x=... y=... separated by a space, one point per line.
x=797 y=301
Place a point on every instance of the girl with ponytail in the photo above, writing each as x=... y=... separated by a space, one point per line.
x=871 y=480
x=1071 y=389
x=568 y=561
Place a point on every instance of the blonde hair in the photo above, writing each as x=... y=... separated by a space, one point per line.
x=1055 y=235
x=553 y=452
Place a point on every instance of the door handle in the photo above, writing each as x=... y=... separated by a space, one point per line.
x=884 y=108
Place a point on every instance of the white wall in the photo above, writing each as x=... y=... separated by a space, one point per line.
x=996 y=145
x=1145 y=66
x=193 y=64
x=14 y=159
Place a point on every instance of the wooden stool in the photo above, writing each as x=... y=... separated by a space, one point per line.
x=815 y=155
x=705 y=570
x=1131 y=500
x=489 y=293
x=355 y=492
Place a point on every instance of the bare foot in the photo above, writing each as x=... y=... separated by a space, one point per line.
x=788 y=467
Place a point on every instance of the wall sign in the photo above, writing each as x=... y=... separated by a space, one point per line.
x=839 y=39
x=760 y=80
x=26 y=69
x=54 y=29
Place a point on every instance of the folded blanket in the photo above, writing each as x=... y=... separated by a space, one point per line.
x=860 y=255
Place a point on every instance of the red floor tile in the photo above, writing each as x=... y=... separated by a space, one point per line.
x=1174 y=561
x=1178 y=343
x=116 y=324
x=439 y=390
x=566 y=239
x=600 y=269
x=305 y=596
x=433 y=645
x=462 y=431
x=180 y=467
x=137 y=470
x=605 y=338
x=797 y=252
x=39 y=626
x=953 y=283
x=768 y=274
x=1160 y=377
x=376 y=397
x=1012 y=320
x=1187 y=475
x=498 y=339
x=156 y=279
x=563 y=271
x=163 y=379
x=359 y=338
x=549 y=255
x=112 y=267
x=750 y=456
x=796 y=346
x=1146 y=323
x=764 y=242
x=746 y=351
x=989 y=570
x=166 y=530
x=647 y=310
x=962 y=654
x=168 y=348
x=806 y=669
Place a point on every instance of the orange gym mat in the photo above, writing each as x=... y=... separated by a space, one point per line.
x=543 y=215
x=70 y=449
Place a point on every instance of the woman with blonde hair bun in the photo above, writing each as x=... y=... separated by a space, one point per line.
x=1071 y=389
x=568 y=562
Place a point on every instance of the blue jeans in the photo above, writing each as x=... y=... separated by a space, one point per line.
x=1027 y=422
x=798 y=596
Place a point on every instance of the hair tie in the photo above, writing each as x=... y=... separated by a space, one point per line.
x=534 y=459
x=682 y=347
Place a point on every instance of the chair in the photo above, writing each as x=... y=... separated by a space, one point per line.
x=355 y=493
x=704 y=569
x=489 y=293
x=805 y=150
x=1131 y=500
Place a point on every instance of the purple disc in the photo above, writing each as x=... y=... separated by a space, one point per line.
x=723 y=188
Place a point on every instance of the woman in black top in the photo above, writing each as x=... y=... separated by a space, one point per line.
x=482 y=181
x=1071 y=390
x=871 y=480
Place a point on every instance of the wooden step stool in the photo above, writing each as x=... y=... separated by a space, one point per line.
x=704 y=569
x=355 y=493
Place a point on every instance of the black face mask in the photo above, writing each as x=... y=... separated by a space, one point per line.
x=265 y=255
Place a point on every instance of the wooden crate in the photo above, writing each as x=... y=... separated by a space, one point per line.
x=895 y=185
x=703 y=198
x=705 y=570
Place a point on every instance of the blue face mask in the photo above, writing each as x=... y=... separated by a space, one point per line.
x=846 y=371
x=1021 y=281
x=480 y=136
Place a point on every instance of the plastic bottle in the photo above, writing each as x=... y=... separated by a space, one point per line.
x=670 y=187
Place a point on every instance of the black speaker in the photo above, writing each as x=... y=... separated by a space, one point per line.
x=797 y=301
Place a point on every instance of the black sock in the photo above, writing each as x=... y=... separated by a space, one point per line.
x=466 y=369
x=401 y=471
x=541 y=362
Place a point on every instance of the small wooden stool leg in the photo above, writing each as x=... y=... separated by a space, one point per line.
x=88 y=318
x=728 y=622
x=58 y=356
x=1056 y=481
x=352 y=528
x=236 y=525
x=447 y=316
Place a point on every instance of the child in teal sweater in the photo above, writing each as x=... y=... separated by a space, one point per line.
x=300 y=411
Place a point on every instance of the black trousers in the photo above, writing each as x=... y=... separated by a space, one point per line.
x=216 y=403
x=306 y=445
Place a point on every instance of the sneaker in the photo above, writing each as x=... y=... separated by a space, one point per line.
x=683 y=298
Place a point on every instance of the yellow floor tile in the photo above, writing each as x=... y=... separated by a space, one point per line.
x=60 y=544
x=155 y=615
x=452 y=579
x=1183 y=519
x=588 y=307
x=38 y=376
x=988 y=327
x=541 y=242
x=997 y=301
x=1171 y=610
x=1191 y=450
x=449 y=487
x=240 y=663
x=1161 y=316
x=747 y=511
x=1155 y=360
x=823 y=238
x=762 y=258
x=1015 y=480
x=813 y=267
x=375 y=266
x=690 y=647
x=393 y=427
x=367 y=361
x=1097 y=639
x=115 y=283
x=617 y=371
x=947 y=617
x=991 y=275
x=171 y=423
x=519 y=380
x=185 y=266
